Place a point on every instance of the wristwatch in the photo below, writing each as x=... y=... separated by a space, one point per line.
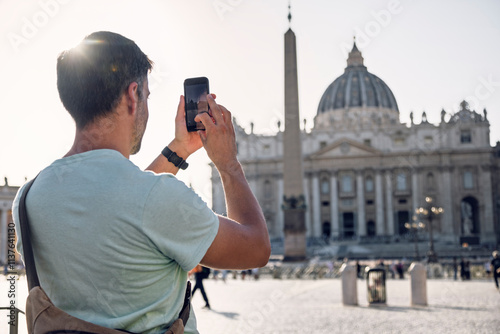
x=174 y=158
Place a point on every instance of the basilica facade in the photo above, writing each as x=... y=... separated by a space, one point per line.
x=369 y=177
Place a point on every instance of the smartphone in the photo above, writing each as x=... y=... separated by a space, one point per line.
x=195 y=98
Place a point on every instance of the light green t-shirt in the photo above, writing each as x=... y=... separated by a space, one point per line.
x=112 y=243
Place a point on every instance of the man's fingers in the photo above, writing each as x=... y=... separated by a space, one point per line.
x=205 y=119
x=226 y=114
x=215 y=109
x=180 y=110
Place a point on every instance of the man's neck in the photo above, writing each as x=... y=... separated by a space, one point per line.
x=101 y=135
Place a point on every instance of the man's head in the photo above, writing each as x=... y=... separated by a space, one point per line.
x=495 y=254
x=92 y=77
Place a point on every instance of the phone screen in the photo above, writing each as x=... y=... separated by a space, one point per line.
x=195 y=95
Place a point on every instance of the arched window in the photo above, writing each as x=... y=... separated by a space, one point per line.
x=401 y=181
x=468 y=180
x=369 y=184
x=325 y=186
x=347 y=184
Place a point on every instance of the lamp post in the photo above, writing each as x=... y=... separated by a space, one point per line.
x=414 y=226
x=430 y=212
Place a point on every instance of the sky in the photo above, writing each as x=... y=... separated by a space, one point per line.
x=432 y=54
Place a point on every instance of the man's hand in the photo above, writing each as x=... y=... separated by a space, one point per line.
x=185 y=143
x=219 y=138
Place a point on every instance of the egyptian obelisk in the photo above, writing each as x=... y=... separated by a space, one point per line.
x=293 y=189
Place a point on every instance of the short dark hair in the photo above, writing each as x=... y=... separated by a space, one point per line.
x=92 y=77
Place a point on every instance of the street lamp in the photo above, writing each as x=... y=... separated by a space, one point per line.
x=414 y=227
x=430 y=212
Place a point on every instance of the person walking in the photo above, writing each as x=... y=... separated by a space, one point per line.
x=495 y=267
x=200 y=273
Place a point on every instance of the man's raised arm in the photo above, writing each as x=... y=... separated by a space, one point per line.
x=242 y=241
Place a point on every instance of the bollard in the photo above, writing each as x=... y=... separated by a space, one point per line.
x=418 y=279
x=349 y=285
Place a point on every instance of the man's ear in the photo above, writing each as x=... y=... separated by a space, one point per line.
x=132 y=96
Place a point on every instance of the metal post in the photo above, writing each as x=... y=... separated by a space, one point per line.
x=13 y=328
x=432 y=253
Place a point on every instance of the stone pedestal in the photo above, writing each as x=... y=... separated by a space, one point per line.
x=418 y=280
x=349 y=285
x=295 y=240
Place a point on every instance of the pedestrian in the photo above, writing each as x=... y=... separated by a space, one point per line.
x=487 y=268
x=393 y=269
x=400 y=270
x=100 y=223
x=495 y=267
x=455 y=268
x=200 y=273
x=462 y=269
x=467 y=269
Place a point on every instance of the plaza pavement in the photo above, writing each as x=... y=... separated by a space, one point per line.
x=314 y=306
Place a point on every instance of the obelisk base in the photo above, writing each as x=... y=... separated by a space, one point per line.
x=295 y=235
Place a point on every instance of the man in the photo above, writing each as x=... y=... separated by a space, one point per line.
x=113 y=244
x=495 y=267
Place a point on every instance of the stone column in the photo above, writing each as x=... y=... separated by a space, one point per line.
x=334 y=205
x=360 y=193
x=279 y=216
x=487 y=228
x=447 y=205
x=379 y=201
x=218 y=199
x=308 y=211
x=414 y=191
x=390 y=210
x=252 y=182
x=316 y=208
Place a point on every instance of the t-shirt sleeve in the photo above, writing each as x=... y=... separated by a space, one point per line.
x=179 y=222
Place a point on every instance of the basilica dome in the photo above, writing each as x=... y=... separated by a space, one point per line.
x=357 y=88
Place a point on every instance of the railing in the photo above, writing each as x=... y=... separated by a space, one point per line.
x=13 y=318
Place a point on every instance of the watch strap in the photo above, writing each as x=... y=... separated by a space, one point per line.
x=176 y=160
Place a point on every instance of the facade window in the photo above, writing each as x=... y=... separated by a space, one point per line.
x=369 y=185
x=430 y=180
x=325 y=187
x=465 y=137
x=322 y=144
x=401 y=181
x=428 y=140
x=268 y=190
x=468 y=180
x=367 y=142
x=347 y=184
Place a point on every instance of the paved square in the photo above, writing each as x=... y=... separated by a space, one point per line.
x=315 y=306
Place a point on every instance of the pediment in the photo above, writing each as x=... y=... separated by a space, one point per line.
x=343 y=148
